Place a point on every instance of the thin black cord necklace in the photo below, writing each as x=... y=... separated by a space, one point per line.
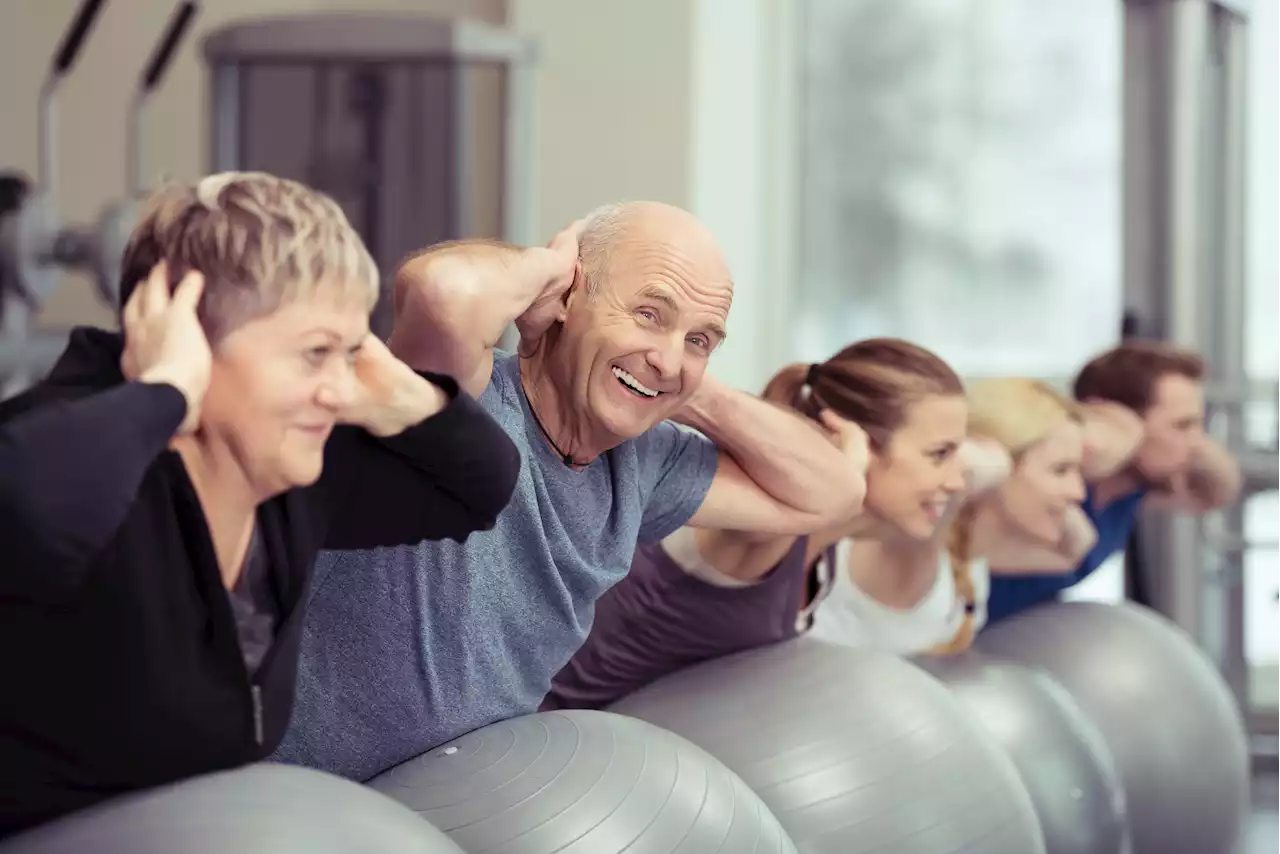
x=567 y=459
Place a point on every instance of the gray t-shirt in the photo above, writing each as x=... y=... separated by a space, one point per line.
x=407 y=648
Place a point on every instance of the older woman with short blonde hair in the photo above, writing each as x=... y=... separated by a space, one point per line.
x=166 y=489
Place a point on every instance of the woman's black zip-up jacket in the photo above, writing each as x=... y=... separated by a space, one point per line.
x=120 y=664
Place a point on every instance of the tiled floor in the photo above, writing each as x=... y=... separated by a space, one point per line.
x=1262 y=833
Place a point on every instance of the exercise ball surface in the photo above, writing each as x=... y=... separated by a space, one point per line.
x=583 y=782
x=1062 y=758
x=854 y=750
x=1170 y=721
x=260 y=809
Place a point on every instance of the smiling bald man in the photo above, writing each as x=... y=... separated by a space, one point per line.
x=408 y=648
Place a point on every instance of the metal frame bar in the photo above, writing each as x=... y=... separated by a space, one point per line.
x=1230 y=44
x=519 y=204
x=519 y=201
x=464 y=143
x=224 y=131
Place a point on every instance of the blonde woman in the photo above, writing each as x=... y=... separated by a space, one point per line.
x=1145 y=410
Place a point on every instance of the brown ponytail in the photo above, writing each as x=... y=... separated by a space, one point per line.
x=871 y=383
x=960 y=550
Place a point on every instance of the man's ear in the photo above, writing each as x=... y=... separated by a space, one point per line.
x=576 y=291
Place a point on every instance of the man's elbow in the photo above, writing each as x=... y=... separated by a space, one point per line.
x=1223 y=493
x=845 y=501
x=1219 y=489
x=434 y=282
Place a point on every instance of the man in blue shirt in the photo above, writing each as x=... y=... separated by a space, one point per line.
x=1144 y=404
x=408 y=648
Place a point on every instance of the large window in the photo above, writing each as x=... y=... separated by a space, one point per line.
x=961 y=179
x=1262 y=356
x=961 y=184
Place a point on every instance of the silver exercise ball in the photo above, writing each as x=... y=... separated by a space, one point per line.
x=1062 y=758
x=260 y=809
x=583 y=782
x=853 y=750
x=1172 y=725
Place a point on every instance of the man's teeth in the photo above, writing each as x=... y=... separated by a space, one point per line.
x=633 y=383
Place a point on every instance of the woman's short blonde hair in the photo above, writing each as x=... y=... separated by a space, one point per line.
x=260 y=241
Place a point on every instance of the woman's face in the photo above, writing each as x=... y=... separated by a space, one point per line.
x=911 y=480
x=278 y=386
x=1045 y=484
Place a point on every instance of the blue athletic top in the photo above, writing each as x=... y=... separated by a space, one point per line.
x=1114 y=522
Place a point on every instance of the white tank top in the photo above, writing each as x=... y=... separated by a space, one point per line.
x=849 y=616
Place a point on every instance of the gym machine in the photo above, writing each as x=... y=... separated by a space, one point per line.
x=420 y=127
x=36 y=245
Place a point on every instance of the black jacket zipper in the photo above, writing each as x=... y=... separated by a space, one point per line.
x=255 y=692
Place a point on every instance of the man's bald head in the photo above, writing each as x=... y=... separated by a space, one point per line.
x=635 y=332
x=614 y=231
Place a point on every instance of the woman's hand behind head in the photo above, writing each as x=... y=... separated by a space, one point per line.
x=388 y=397
x=164 y=342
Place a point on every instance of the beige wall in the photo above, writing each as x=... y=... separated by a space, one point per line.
x=613 y=102
x=91 y=146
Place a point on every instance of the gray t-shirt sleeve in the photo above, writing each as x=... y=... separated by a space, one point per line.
x=676 y=470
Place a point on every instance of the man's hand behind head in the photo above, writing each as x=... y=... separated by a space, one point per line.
x=551 y=272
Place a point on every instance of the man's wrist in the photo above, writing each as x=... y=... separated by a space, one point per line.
x=987 y=463
x=701 y=410
x=1078 y=535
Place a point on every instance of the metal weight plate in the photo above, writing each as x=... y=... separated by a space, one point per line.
x=26 y=242
x=8 y=256
x=114 y=228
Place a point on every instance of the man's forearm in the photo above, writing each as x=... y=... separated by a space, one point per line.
x=785 y=455
x=454 y=301
x=1214 y=477
x=1079 y=536
x=1020 y=558
x=1112 y=435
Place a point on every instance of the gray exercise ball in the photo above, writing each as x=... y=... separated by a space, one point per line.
x=583 y=782
x=1062 y=758
x=853 y=750
x=1174 y=730
x=260 y=809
